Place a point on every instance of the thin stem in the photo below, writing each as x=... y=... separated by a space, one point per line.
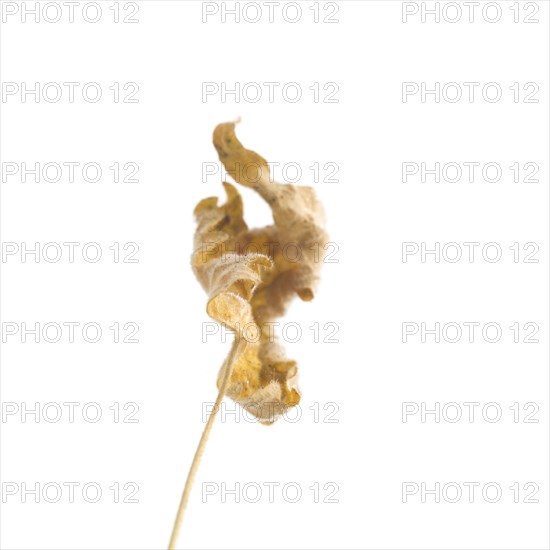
x=236 y=351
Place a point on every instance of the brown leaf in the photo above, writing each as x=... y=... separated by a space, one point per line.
x=251 y=275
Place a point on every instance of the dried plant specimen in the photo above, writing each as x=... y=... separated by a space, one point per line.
x=250 y=277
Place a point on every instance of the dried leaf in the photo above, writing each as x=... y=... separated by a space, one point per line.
x=251 y=275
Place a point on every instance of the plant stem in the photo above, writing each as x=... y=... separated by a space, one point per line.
x=236 y=351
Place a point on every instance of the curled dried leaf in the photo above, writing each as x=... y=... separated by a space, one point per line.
x=251 y=275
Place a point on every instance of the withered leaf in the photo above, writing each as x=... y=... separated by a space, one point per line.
x=251 y=276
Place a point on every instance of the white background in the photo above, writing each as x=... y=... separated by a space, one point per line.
x=369 y=292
